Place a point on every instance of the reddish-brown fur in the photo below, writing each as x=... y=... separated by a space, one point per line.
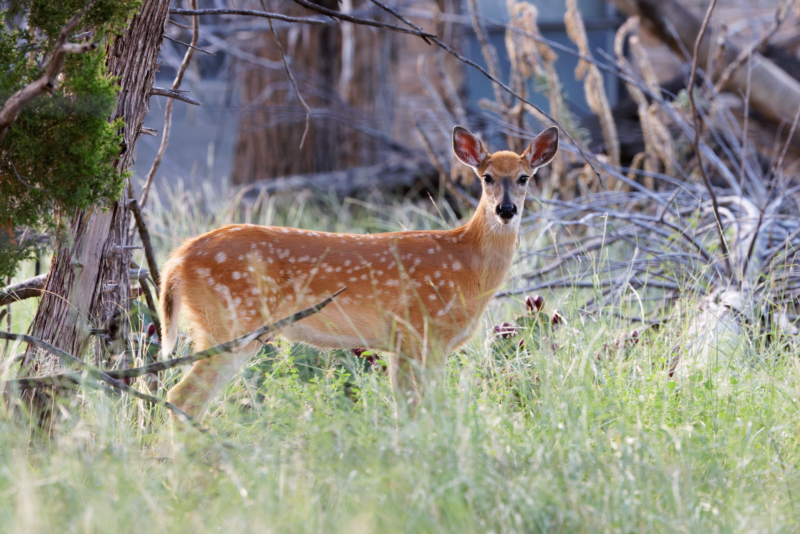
x=417 y=295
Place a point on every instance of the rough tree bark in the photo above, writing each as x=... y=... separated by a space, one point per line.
x=88 y=283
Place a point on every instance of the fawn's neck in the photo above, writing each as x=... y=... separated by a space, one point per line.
x=493 y=243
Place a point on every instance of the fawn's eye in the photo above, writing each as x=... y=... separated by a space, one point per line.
x=487 y=179
x=523 y=180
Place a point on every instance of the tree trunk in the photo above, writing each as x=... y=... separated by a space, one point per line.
x=87 y=287
x=335 y=69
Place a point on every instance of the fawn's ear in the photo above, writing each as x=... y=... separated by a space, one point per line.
x=468 y=148
x=543 y=148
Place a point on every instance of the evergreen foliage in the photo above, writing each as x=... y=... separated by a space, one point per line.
x=59 y=155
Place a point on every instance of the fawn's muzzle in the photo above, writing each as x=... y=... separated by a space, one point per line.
x=506 y=211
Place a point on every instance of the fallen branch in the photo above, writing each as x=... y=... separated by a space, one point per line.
x=75 y=378
x=346 y=182
x=773 y=92
x=103 y=377
x=780 y=15
x=48 y=82
x=33 y=287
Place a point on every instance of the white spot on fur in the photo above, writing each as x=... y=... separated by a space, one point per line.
x=236 y=275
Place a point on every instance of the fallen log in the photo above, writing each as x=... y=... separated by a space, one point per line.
x=352 y=181
x=773 y=92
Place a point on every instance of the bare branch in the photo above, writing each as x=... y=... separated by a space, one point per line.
x=103 y=377
x=171 y=93
x=168 y=38
x=148 y=297
x=162 y=148
x=33 y=287
x=364 y=22
x=26 y=289
x=144 y=234
x=294 y=84
x=246 y=12
x=26 y=383
x=402 y=18
x=696 y=119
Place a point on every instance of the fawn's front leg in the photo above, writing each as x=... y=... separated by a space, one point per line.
x=204 y=381
x=414 y=372
x=404 y=387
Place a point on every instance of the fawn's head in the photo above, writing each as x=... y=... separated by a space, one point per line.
x=504 y=174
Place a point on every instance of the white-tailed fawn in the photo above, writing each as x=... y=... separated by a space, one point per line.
x=415 y=295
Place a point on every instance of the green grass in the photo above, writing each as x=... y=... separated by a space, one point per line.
x=528 y=440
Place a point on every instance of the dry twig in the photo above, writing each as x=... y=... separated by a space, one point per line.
x=176 y=84
x=294 y=84
x=144 y=235
x=696 y=119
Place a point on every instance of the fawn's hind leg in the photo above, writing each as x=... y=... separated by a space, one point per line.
x=404 y=388
x=204 y=381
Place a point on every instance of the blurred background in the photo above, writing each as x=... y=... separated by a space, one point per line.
x=370 y=89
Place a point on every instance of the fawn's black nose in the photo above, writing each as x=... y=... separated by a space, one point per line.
x=506 y=211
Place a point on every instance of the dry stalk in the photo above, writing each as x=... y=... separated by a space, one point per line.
x=649 y=156
x=534 y=59
x=489 y=53
x=592 y=81
x=660 y=139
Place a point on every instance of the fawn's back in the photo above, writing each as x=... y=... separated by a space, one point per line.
x=234 y=279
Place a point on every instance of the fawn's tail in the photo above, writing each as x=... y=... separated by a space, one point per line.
x=169 y=307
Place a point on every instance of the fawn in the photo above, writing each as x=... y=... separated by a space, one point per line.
x=416 y=295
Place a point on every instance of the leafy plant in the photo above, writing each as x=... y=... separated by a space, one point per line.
x=59 y=154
